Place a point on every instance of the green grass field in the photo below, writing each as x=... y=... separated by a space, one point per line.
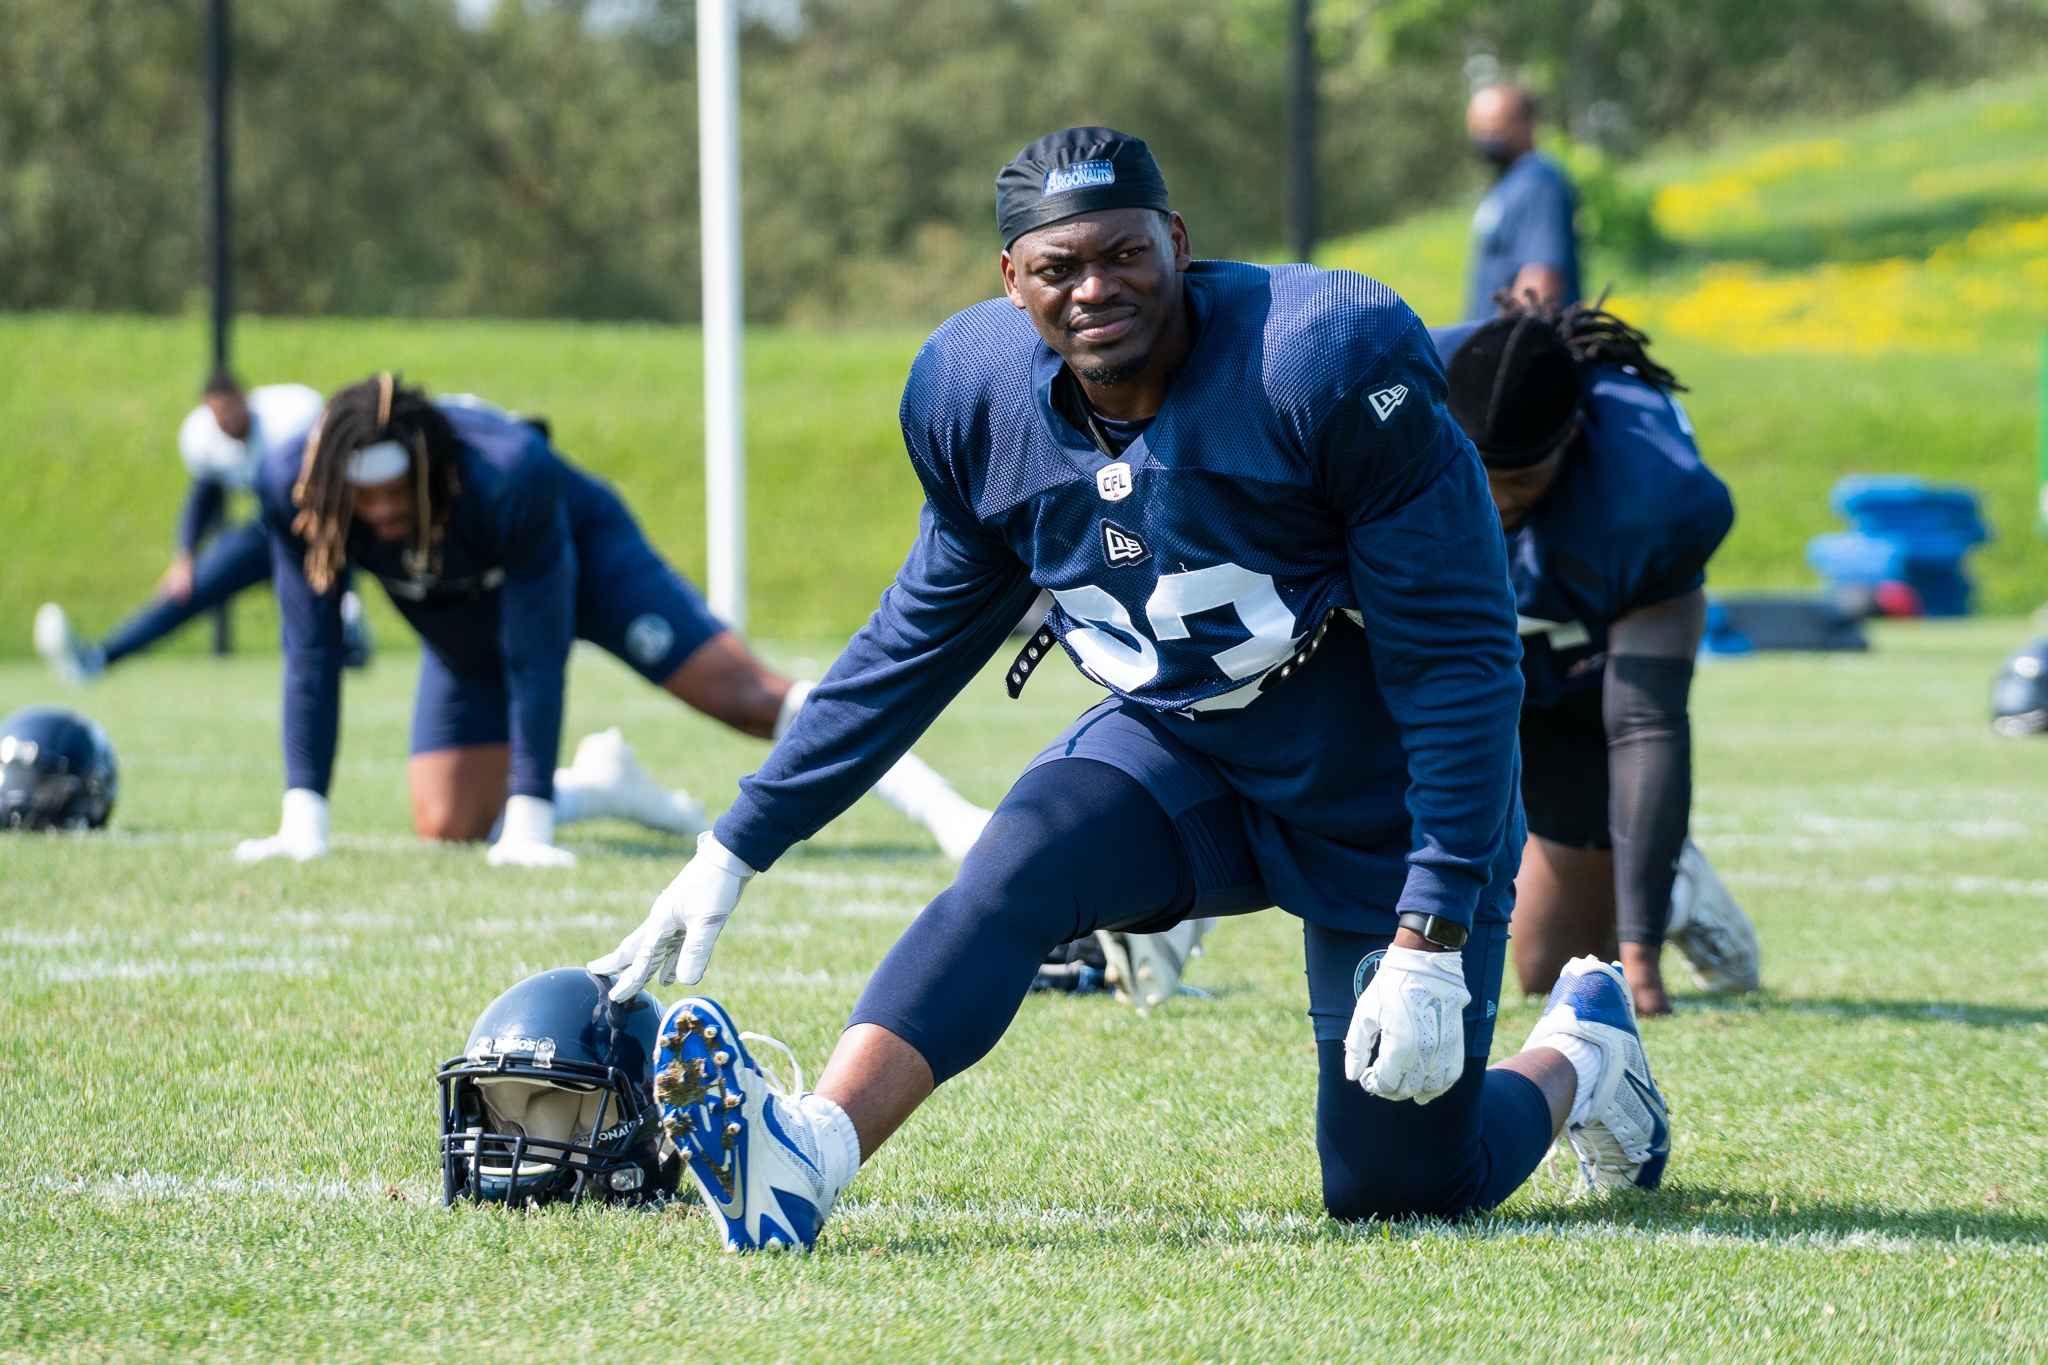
x=217 y=1110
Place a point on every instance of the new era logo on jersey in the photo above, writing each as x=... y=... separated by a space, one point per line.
x=1121 y=547
x=1384 y=401
x=1113 y=481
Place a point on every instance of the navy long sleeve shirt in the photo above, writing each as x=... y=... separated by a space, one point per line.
x=504 y=602
x=1303 y=465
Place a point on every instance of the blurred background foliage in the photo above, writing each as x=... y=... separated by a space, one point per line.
x=530 y=158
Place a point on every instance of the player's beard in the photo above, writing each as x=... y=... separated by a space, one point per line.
x=1107 y=375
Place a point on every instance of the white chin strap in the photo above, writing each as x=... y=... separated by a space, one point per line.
x=380 y=463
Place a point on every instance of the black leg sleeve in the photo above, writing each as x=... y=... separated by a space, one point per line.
x=1649 y=767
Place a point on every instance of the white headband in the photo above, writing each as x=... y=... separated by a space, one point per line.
x=380 y=463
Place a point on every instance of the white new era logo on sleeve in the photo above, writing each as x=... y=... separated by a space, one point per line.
x=1386 y=400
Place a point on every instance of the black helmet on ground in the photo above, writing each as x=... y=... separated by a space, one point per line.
x=57 y=770
x=2019 y=699
x=553 y=1099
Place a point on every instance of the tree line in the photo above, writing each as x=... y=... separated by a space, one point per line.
x=538 y=157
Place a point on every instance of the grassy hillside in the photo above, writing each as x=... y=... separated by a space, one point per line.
x=1858 y=297
x=90 y=477
x=1865 y=296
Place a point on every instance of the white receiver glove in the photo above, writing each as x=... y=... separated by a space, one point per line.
x=678 y=932
x=527 y=838
x=301 y=833
x=1415 y=1009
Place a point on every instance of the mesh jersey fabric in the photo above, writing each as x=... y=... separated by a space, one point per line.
x=1302 y=464
x=1632 y=520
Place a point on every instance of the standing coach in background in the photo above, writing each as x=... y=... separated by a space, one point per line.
x=1522 y=234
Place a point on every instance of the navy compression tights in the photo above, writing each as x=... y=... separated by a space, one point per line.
x=1078 y=846
x=238 y=559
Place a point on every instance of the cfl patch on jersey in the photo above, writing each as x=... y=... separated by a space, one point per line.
x=1113 y=481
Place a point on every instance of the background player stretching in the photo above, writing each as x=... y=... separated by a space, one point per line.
x=500 y=553
x=1611 y=516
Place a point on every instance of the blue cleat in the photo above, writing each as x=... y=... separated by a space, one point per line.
x=770 y=1164
x=1621 y=1133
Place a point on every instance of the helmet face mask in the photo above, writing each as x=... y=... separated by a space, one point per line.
x=552 y=1099
x=57 y=771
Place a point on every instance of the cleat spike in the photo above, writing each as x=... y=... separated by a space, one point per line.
x=678 y=1085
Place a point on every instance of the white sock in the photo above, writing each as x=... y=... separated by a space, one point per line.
x=792 y=702
x=837 y=1140
x=568 y=797
x=914 y=787
x=1586 y=1059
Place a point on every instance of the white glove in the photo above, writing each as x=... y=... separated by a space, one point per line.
x=678 y=932
x=1415 y=1009
x=301 y=833
x=527 y=837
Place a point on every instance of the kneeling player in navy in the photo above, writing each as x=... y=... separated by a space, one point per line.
x=500 y=553
x=222 y=442
x=1266 y=537
x=1611 y=517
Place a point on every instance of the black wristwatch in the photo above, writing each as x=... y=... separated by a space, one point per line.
x=1446 y=934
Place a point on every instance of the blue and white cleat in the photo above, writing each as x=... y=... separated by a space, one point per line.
x=1622 y=1131
x=770 y=1164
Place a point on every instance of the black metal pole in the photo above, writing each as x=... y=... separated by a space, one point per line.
x=1301 y=130
x=217 y=174
x=217 y=196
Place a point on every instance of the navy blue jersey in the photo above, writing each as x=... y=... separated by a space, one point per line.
x=504 y=601
x=1303 y=467
x=1631 y=521
x=1525 y=219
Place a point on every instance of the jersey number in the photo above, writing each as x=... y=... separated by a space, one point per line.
x=1120 y=654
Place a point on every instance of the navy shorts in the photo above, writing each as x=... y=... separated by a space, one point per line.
x=629 y=603
x=1207 y=813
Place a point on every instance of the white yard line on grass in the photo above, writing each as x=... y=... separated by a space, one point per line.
x=928 y=1215
x=148 y=1185
x=123 y=969
x=1904 y=881
x=860 y=1219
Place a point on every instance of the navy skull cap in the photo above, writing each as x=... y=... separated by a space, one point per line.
x=1075 y=171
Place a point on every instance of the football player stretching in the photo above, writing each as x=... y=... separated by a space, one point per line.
x=500 y=553
x=222 y=442
x=1266 y=537
x=1611 y=517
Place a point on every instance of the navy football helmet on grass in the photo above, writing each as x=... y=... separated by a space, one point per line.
x=57 y=771
x=2019 y=699
x=553 y=1099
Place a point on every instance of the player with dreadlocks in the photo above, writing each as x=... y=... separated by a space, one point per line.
x=500 y=554
x=1611 y=517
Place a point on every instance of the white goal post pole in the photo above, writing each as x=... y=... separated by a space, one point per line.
x=725 y=448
